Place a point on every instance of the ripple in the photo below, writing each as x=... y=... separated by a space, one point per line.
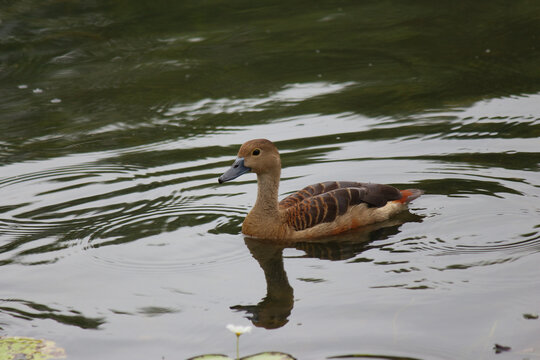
x=467 y=244
x=156 y=219
x=194 y=248
x=174 y=255
x=57 y=212
x=290 y=94
x=530 y=242
x=67 y=173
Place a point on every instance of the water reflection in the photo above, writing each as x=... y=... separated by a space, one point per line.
x=273 y=310
x=291 y=94
x=29 y=310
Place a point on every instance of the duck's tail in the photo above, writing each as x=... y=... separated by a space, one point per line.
x=409 y=195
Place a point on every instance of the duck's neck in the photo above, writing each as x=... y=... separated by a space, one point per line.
x=267 y=195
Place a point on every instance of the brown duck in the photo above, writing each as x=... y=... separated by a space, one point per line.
x=322 y=209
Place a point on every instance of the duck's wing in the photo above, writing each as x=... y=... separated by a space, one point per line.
x=324 y=202
x=373 y=194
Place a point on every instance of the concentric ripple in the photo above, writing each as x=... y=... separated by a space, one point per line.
x=58 y=211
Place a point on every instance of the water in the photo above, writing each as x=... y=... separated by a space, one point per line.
x=117 y=242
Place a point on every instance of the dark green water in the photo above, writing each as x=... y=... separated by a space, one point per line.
x=116 y=118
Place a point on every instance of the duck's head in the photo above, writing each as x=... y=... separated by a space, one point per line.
x=259 y=156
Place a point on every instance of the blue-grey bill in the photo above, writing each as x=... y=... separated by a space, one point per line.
x=238 y=168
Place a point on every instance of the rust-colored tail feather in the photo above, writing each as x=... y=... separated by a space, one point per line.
x=409 y=195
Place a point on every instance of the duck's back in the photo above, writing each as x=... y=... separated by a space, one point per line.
x=336 y=206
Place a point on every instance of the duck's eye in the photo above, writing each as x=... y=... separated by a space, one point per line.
x=256 y=152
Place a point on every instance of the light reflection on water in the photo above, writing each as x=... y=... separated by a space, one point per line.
x=112 y=220
x=292 y=94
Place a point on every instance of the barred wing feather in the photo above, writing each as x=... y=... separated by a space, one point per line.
x=324 y=202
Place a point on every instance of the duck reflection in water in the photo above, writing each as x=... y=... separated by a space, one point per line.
x=274 y=309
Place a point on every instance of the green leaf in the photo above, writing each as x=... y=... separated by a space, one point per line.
x=29 y=349
x=210 y=357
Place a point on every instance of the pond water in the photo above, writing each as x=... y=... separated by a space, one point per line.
x=117 y=118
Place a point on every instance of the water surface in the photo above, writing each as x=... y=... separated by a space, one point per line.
x=117 y=242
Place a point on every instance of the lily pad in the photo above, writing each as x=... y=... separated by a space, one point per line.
x=12 y=348
x=270 y=355
x=211 y=357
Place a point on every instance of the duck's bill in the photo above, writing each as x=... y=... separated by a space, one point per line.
x=238 y=168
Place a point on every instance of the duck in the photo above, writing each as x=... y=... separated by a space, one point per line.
x=319 y=210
